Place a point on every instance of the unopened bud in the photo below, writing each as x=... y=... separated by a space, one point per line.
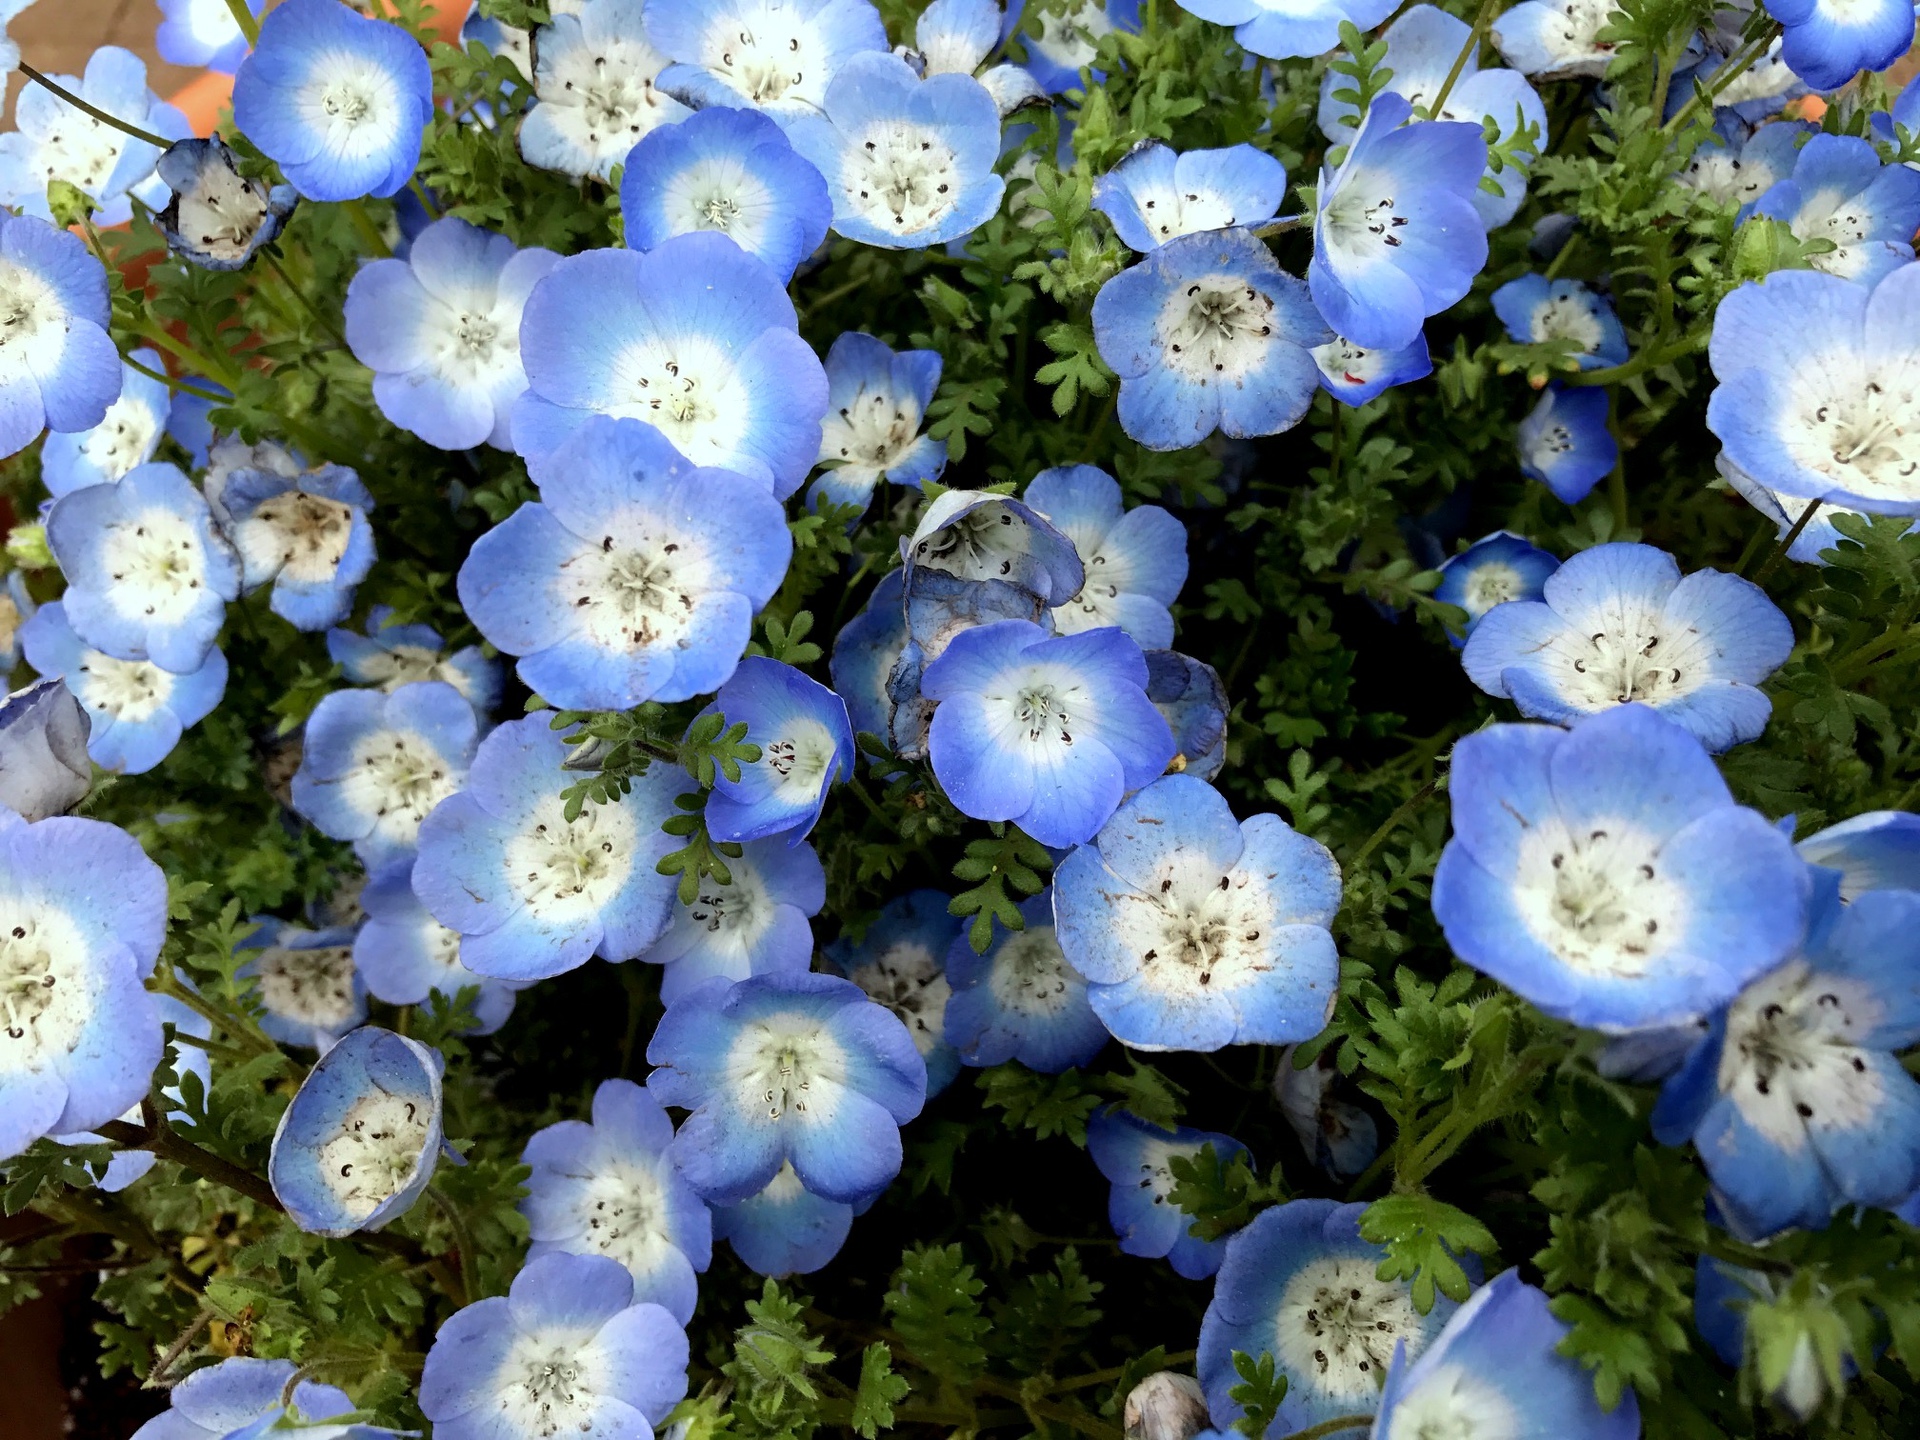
x=44 y=769
x=27 y=547
x=1165 y=1406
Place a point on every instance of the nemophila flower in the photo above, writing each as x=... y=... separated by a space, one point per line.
x=1282 y=29
x=1493 y=570
x=955 y=37
x=338 y=100
x=82 y=915
x=1353 y=374
x=695 y=337
x=806 y=746
x=358 y=1144
x=137 y=710
x=306 y=535
x=509 y=42
x=908 y=162
x=228 y=455
x=1300 y=1284
x=938 y=607
x=1830 y=417
x=1737 y=164
x=243 y=1397
x=17 y=607
x=594 y=88
x=876 y=401
x=901 y=963
x=1157 y=193
x=1564 y=441
x=389 y=656
x=1134 y=1156
x=1538 y=311
x=59 y=368
x=785 y=1229
x=1423 y=46
x=406 y=957
x=1606 y=874
x=565 y=1350
x=733 y=171
x=1879 y=850
x=52 y=140
x=214 y=217
x=1188 y=693
x=865 y=651
x=1396 y=237
x=1195 y=930
x=1020 y=1000
x=1046 y=731
x=608 y=1188
x=778 y=56
x=148 y=575
x=1060 y=44
x=375 y=763
x=1840 y=192
x=754 y=924
x=307 y=983
x=1557 y=39
x=1618 y=625
x=441 y=332
x=126 y=436
x=976 y=535
x=1135 y=560
x=1497 y=1369
x=1826 y=44
x=788 y=1067
x=532 y=893
x=1207 y=332
x=44 y=769
x=202 y=34
x=1339 y=1136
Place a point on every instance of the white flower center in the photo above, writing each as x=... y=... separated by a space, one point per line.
x=874 y=431
x=312 y=986
x=1156 y=1175
x=45 y=994
x=1599 y=900
x=404 y=664
x=622 y=1213
x=741 y=909
x=1544 y=442
x=1337 y=1326
x=375 y=1151
x=296 y=534
x=223 y=212
x=1030 y=974
x=907 y=978
x=982 y=544
x=1490 y=584
x=788 y=1063
x=1071 y=37
x=770 y=55
x=902 y=175
x=1347 y=362
x=636 y=594
x=1791 y=1060
x=1361 y=217
x=1566 y=317
x=545 y=1388
x=154 y=557
x=33 y=322
x=1453 y=1403
x=1584 y=20
x=124 y=438
x=83 y=151
x=397 y=776
x=1857 y=423
x=1215 y=328
x=571 y=871
x=604 y=94
x=129 y=690
x=687 y=389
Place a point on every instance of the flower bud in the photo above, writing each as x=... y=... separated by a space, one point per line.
x=44 y=769
x=27 y=547
x=1165 y=1406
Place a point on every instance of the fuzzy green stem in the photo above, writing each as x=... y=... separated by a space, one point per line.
x=1729 y=73
x=325 y=321
x=1390 y=824
x=146 y=136
x=369 y=232
x=1467 y=52
x=1786 y=543
x=248 y=22
x=168 y=1145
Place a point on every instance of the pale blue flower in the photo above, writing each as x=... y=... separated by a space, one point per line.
x=126 y=436
x=306 y=982
x=1557 y=39
x=1827 y=43
x=1020 y=1000
x=901 y=963
x=214 y=217
x=51 y=140
x=244 y=1397
x=203 y=34
x=877 y=400
x=864 y=654
x=806 y=747
x=1839 y=191
x=778 y=56
x=1737 y=163
x=1135 y=560
x=756 y=923
x=939 y=606
x=1565 y=442
x=388 y=656
x=406 y=957
x=44 y=768
x=1189 y=694
x=594 y=84
x=1156 y=193
x=1061 y=43
x=59 y=369
x=1493 y=570
x=977 y=535
x=306 y=535
x=1134 y=1156
x=1536 y=310
x=1353 y=374
x=785 y=1229
x=1879 y=850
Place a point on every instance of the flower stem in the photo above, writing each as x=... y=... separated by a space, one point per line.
x=168 y=1145
x=1786 y=543
x=179 y=387
x=244 y=17
x=369 y=232
x=146 y=136
x=325 y=321
x=1467 y=52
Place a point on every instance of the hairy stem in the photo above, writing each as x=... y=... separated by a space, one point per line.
x=145 y=136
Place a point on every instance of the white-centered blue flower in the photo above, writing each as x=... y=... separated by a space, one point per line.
x=975 y=535
x=1020 y=1000
x=406 y=957
x=306 y=535
x=778 y=56
x=1565 y=443
x=909 y=162
x=126 y=436
x=1134 y=1156
x=137 y=710
x=54 y=141
x=1493 y=570
x=1537 y=310
x=1195 y=930
x=865 y=652
x=1878 y=850
x=608 y=1188
x=1827 y=42
x=1737 y=164
x=339 y=100
x=939 y=606
x=1135 y=560
x=1156 y=193
x=1338 y=1134
x=594 y=90
x=956 y=37
x=565 y=1351
x=388 y=656
x=806 y=747
x=1189 y=694
x=59 y=368
x=441 y=332
x=531 y=892
x=1208 y=333
x=785 y=1229
x=306 y=982
x=203 y=34
x=1757 y=93
x=877 y=400
x=245 y=1397
x=731 y=171
x=148 y=575
x=1606 y=874
x=755 y=923
x=1062 y=42
x=901 y=963
x=44 y=768
x=1839 y=191
x=695 y=337
x=1353 y=374
x=1557 y=39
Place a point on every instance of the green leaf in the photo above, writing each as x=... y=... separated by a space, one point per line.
x=879 y=1388
x=934 y=1301
x=1423 y=1236
x=1259 y=1393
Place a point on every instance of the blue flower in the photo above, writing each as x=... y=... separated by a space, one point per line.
x=1135 y=560
x=1283 y=29
x=955 y=37
x=976 y=535
x=137 y=709
x=389 y=656
x=1814 y=539
x=779 y=56
x=1749 y=96
x=44 y=769
x=1353 y=374
x=1300 y=1284
x=1423 y=46
x=876 y=402
x=1134 y=1155
x=728 y=170
x=1736 y=165
x=901 y=963
x=202 y=34
x=938 y=607
x=806 y=746
x=82 y=915
x=1879 y=850
x=306 y=981
x=1339 y=1136
x=607 y=1188
x=1840 y=192
x=1196 y=931
x=1156 y=193
x=1564 y=442
x=594 y=83
x=242 y=1398
x=58 y=366
x=1396 y=237
x=1189 y=694
x=369 y=79
x=1020 y=1000
x=1617 y=625
x=53 y=141
x=1046 y=731
x=1493 y=570
x=1497 y=1366
x=1537 y=311
x=374 y=764
x=1067 y=38
x=1205 y=333
x=148 y=576
x=564 y=1349
x=126 y=436
x=532 y=893
x=1829 y=416
x=358 y=1144
x=190 y=421
x=786 y=1229
x=695 y=337
x=865 y=651
x=908 y=162
x=1827 y=43
x=754 y=924
x=1557 y=39
x=214 y=217
x=1606 y=874
x=441 y=332
x=801 y=1068
x=405 y=957
x=307 y=535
